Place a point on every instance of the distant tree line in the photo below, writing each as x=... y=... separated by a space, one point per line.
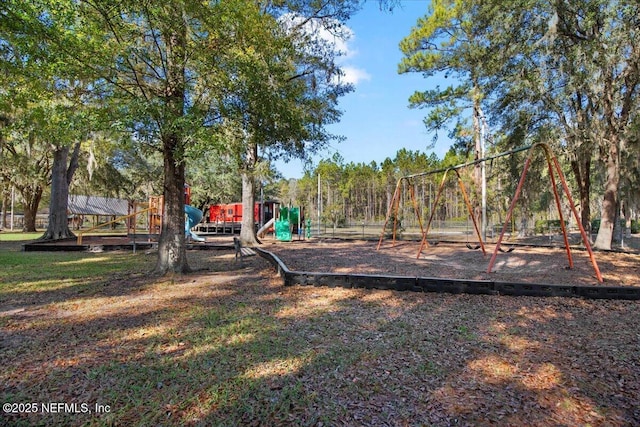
x=352 y=193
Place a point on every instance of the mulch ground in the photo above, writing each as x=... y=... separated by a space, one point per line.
x=548 y=265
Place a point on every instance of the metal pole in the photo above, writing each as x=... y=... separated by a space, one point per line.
x=509 y=213
x=433 y=209
x=299 y=222
x=464 y=165
x=483 y=172
x=583 y=233
x=389 y=211
x=559 y=206
x=261 y=205
x=395 y=216
x=412 y=193
x=13 y=197
x=319 y=204
x=470 y=210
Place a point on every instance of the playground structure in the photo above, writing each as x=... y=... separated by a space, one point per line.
x=155 y=211
x=468 y=206
x=226 y=218
x=150 y=211
x=393 y=211
x=269 y=216
x=553 y=168
x=193 y=216
x=222 y=219
x=289 y=222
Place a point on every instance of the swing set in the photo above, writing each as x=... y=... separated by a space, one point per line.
x=469 y=210
x=554 y=169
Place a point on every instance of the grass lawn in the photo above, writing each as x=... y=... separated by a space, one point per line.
x=10 y=236
x=91 y=339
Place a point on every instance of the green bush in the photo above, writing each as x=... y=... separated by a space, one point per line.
x=635 y=226
x=545 y=225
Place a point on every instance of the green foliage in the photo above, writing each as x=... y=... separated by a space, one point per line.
x=567 y=76
x=445 y=43
x=213 y=180
x=333 y=214
x=182 y=78
x=543 y=226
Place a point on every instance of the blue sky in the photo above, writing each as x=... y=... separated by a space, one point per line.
x=376 y=119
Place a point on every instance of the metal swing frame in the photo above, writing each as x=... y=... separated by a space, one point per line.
x=554 y=168
x=395 y=207
x=469 y=209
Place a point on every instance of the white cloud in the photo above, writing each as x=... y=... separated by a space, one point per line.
x=340 y=37
x=354 y=75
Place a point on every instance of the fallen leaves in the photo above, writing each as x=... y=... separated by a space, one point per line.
x=232 y=347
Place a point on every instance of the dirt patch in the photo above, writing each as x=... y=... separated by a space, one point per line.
x=522 y=264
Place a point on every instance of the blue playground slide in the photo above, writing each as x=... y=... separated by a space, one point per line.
x=194 y=216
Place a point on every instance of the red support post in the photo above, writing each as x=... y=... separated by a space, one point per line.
x=470 y=209
x=395 y=214
x=433 y=206
x=559 y=205
x=396 y=194
x=583 y=233
x=509 y=213
x=412 y=193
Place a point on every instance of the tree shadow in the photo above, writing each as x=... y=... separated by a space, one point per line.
x=237 y=348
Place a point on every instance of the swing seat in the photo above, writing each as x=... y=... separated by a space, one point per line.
x=473 y=248
x=508 y=250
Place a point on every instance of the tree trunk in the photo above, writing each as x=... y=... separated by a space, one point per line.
x=582 y=171
x=5 y=210
x=61 y=176
x=477 y=154
x=172 y=253
x=626 y=213
x=248 y=229
x=389 y=194
x=610 y=198
x=31 y=197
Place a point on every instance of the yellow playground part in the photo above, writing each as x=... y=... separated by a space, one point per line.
x=133 y=215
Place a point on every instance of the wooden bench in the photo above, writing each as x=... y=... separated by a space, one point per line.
x=241 y=251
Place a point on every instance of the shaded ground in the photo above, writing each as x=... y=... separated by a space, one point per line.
x=230 y=345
